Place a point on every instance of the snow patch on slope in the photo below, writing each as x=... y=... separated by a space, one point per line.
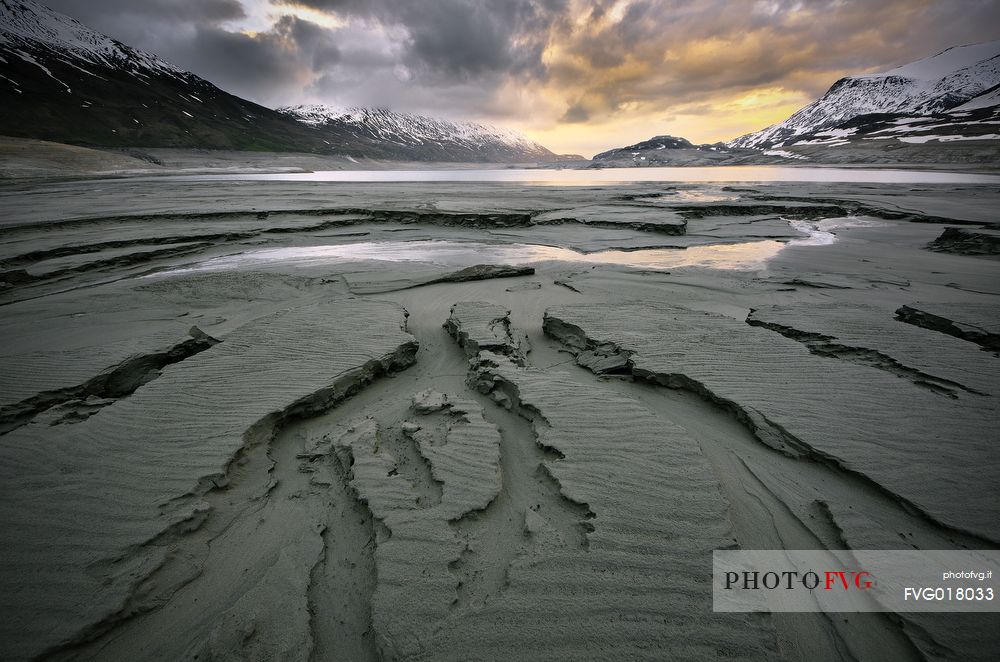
x=985 y=100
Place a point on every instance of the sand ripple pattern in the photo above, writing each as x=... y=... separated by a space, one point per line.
x=86 y=514
x=634 y=575
x=821 y=408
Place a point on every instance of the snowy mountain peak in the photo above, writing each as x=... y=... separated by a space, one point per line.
x=26 y=25
x=946 y=62
x=459 y=140
x=934 y=84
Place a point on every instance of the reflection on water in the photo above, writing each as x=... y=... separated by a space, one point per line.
x=749 y=256
x=820 y=233
x=696 y=195
x=572 y=177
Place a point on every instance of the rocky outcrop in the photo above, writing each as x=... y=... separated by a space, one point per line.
x=485 y=272
x=975 y=322
x=478 y=326
x=967 y=241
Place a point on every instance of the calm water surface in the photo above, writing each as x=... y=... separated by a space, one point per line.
x=570 y=177
x=750 y=255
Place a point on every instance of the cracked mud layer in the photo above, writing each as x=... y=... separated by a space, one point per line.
x=406 y=457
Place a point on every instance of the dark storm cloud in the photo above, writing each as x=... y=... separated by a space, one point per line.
x=127 y=17
x=272 y=66
x=573 y=61
x=254 y=66
x=315 y=43
x=576 y=113
x=454 y=40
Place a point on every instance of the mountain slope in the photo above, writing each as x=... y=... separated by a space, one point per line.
x=654 y=143
x=925 y=88
x=65 y=82
x=664 y=150
x=417 y=137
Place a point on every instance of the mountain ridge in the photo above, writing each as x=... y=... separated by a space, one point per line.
x=68 y=83
x=664 y=150
x=923 y=88
x=421 y=137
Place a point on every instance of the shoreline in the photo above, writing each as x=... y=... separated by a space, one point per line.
x=28 y=160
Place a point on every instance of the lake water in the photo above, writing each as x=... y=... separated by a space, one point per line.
x=747 y=255
x=743 y=256
x=572 y=177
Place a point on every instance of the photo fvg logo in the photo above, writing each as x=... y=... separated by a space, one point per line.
x=827 y=580
x=857 y=580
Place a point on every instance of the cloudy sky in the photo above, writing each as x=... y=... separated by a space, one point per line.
x=577 y=75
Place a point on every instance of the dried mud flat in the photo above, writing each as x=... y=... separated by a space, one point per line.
x=217 y=442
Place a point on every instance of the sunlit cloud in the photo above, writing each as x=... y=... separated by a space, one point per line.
x=323 y=19
x=577 y=75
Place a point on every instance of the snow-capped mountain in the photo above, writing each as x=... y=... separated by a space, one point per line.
x=419 y=137
x=925 y=88
x=664 y=150
x=63 y=81
x=654 y=143
x=28 y=27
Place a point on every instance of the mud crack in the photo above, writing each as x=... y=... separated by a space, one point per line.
x=84 y=400
x=827 y=346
